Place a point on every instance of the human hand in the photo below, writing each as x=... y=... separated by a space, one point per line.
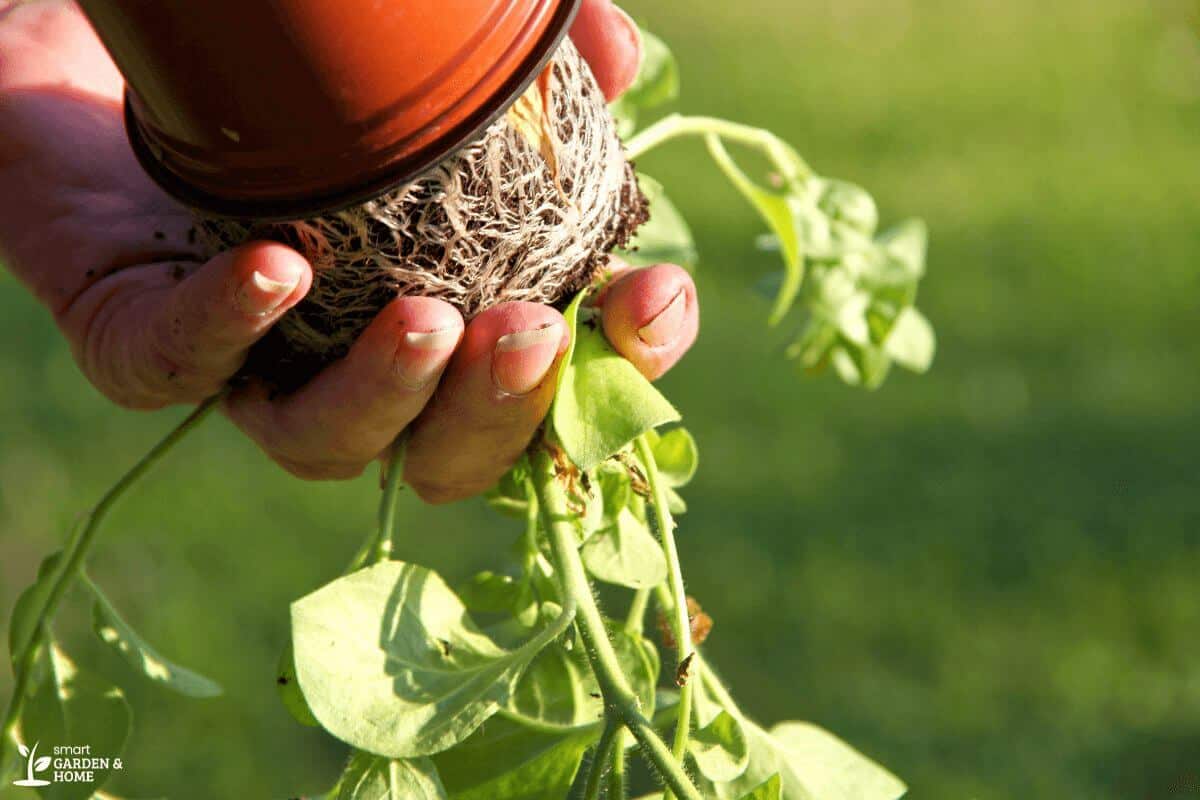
x=151 y=324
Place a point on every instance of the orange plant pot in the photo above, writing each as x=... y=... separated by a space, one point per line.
x=280 y=109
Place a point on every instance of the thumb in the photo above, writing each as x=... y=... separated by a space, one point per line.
x=609 y=42
x=173 y=332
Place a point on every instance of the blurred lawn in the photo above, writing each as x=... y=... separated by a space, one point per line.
x=986 y=577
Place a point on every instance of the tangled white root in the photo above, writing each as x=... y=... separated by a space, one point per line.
x=527 y=212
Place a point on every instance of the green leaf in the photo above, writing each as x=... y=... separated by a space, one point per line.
x=849 y=204
x=490 y=593
x=508 y=495
x=625 y=553
x=665 y=237
x=390 y=662
x=75 y=707
x=675 y=502
x=114 y=631
x=812 y=764
x=777 y=212
x=907 y=242
x=860 y=365
x=369 y=777
x=24 y=623
x=615 y=487
x=640 y=662
x=719 y=748
x=507 y=760
x=560 y=690
x=911 y=342
x=603 y=403
x=289 y=689
x=676 y=455
x=657 y=81
x=554 y=690
x=771 y=789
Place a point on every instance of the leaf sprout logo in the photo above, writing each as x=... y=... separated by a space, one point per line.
x=33 y=764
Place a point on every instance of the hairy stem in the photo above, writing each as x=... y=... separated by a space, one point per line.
x=616 y=773
x=619 y=698
x=680 y=624
x=26 y=647
x=604 y=749
x=634 y=623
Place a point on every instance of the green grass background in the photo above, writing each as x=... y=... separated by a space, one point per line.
x=987 y=577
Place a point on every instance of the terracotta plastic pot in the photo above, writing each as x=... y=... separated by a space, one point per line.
x=288 y=108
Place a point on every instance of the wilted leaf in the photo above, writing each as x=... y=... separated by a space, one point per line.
x=118 y=634
x=390 y=662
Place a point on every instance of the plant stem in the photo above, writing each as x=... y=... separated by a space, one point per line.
x=385 y=545
x=616 y=773
x=74 y=554
x=634 y=624
x=380 y=543
x=636 y=621
x=604 y=750
x=673 y=126
x=681 y=624
x=619 y=698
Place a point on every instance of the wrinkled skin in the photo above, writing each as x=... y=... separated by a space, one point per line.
x=150 y=324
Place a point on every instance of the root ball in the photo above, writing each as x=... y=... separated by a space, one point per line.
x=529 y=211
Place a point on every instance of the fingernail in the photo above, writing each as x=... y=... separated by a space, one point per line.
x=262 y=295
x=522 y=359
x=423 y=355
x=666 y=325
